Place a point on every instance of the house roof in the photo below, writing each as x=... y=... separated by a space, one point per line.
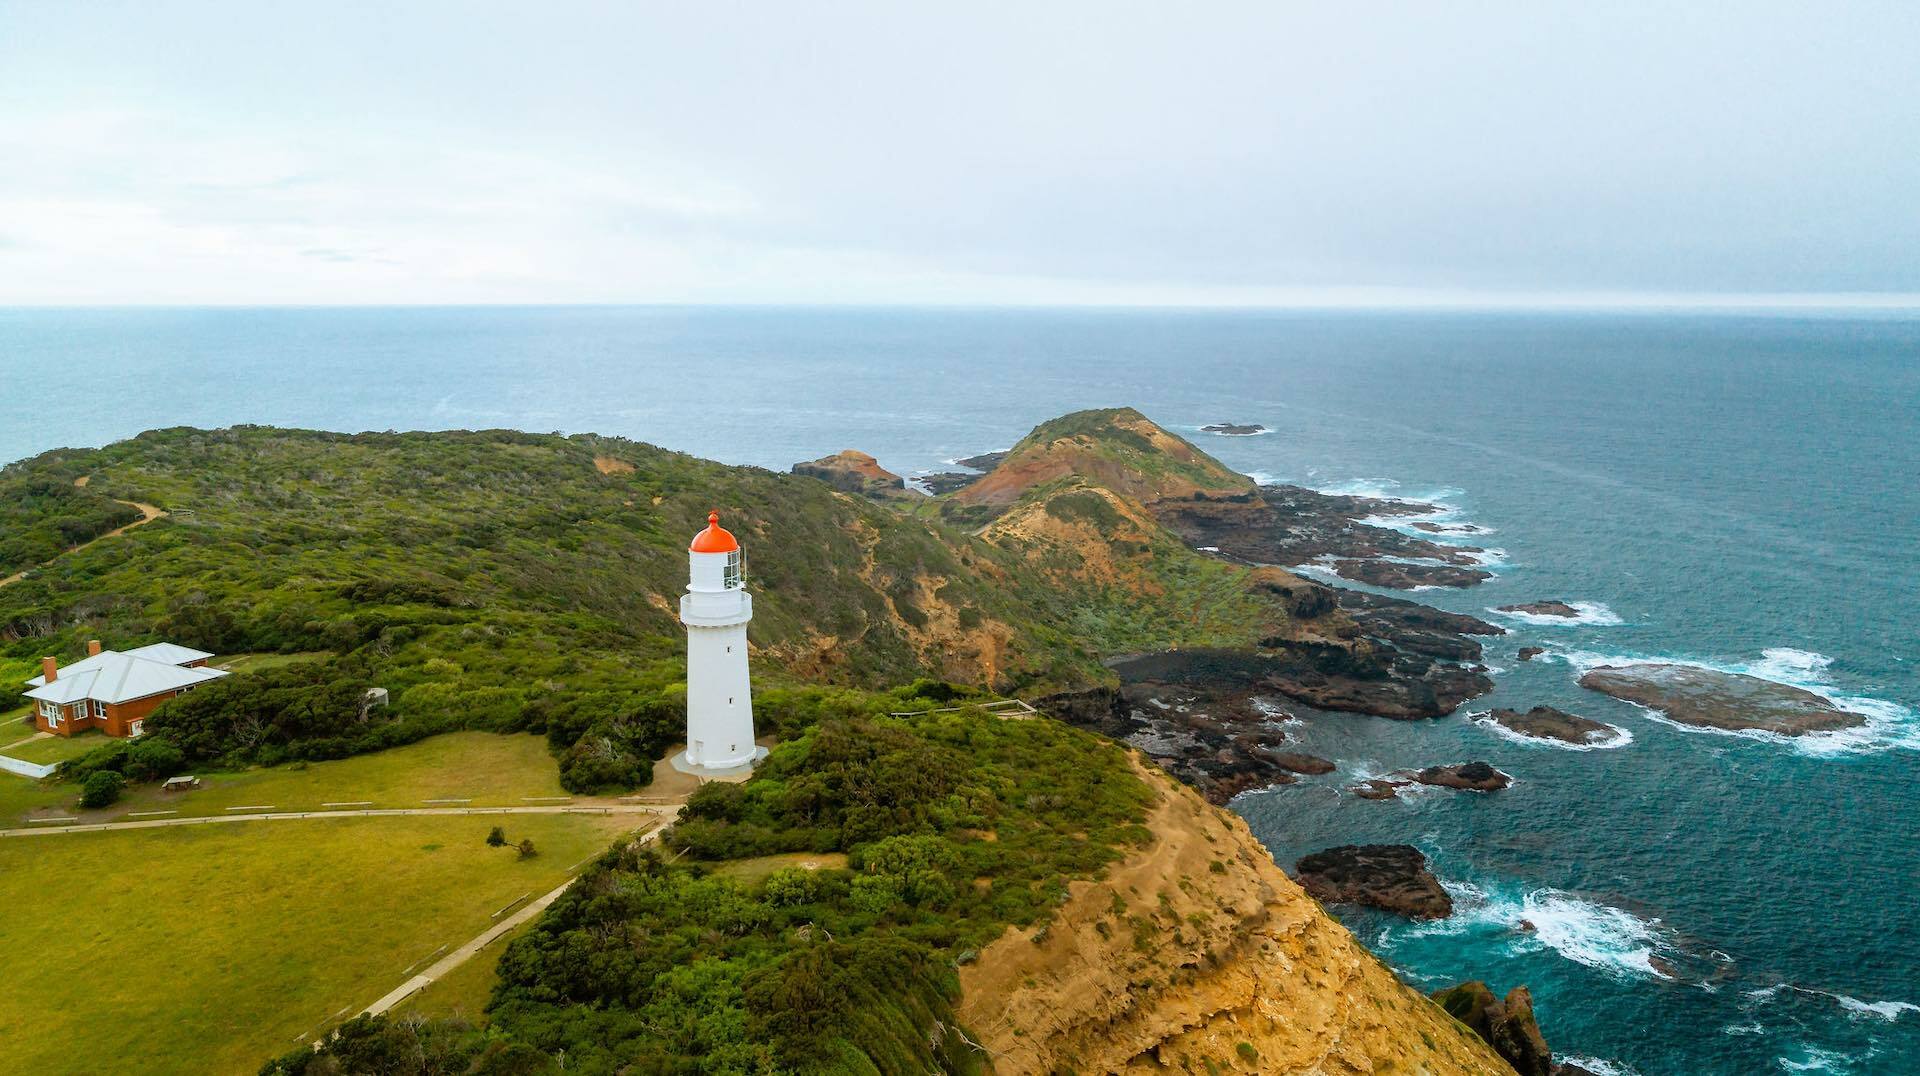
x=111 y=676
x=170 y=653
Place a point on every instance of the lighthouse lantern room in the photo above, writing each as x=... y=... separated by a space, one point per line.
x=715 y=610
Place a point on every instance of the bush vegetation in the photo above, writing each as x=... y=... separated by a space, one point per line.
x=955 y=826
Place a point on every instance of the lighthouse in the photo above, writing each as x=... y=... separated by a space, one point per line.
x=715 y=610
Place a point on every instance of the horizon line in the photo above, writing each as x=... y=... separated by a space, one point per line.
x=1354 y=300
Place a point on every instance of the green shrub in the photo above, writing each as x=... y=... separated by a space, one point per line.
x=101 y=789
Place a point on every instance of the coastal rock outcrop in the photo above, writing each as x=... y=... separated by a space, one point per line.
x=1547 y=723
x=1391 y=877
x=1709 y=698
x=1508 y=1025
x=851 y=471
x=1528 y=653
x=1197 y=954
x=1232 y=429
x=1545 y=608
x=1222 y=743
x=1365 y=679
x=1466 y=776
x=1404 y=575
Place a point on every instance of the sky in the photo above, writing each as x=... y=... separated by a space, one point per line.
x=1260 y=153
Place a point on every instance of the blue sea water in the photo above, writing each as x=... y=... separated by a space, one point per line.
x=1739 y=491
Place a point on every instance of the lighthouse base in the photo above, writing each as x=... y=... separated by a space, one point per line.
x=737 y=772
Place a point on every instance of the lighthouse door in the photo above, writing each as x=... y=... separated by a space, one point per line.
x=698 y=753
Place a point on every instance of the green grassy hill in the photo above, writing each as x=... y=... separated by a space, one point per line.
x=513 y=581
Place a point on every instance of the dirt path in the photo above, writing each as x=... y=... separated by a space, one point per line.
x=52 y=827
x=148 y=513
x=441 y=967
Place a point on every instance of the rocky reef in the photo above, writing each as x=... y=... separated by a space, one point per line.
x=1548 y=723
x=1709 y=698
x=1545 y=608
x=1292 y=526
x=1233 y=429
x=1222 y=742
x=1391 y=877
x=1464 y=776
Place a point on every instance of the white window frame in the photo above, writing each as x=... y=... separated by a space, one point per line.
x=50 y=711
x=99 y=708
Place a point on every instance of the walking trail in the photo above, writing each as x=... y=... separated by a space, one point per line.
x=148 y=513
x=52 y=826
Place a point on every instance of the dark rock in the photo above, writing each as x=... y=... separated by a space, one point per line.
x=1721 y=700
x=1547 y=723
x=1393 y=877
x=1221 y=739
x=952 y=481
x=947 y=481
x=1506 y=1025
x=1528 y=653
x=984 y=462
x=1290 y=525
x=1467 y=776
x=1229 y=429
x=1401 y=575
x=1546 y=608
x=1378 y=788
x=1364 y=679
x=1446 y=528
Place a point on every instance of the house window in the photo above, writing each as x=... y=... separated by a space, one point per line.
x=50 y=711
x=99 y=708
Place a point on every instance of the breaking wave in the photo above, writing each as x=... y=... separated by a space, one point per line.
x=1591 y=614
x=1611 y=940
x=1618 y=737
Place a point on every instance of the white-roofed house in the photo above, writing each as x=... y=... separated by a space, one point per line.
x=112 y=690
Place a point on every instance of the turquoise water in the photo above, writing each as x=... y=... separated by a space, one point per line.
x=1738 y=491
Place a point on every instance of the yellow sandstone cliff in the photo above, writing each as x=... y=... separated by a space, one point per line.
x=1197 y=954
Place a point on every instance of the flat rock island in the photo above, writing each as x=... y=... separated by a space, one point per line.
x=1708 y=698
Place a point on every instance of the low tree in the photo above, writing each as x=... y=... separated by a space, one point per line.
x=527 y=850
x=497 y=837
x=101 y=789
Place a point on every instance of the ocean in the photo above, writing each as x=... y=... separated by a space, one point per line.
x=1741 y=491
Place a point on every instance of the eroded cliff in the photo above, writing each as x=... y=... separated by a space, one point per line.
x=1198 y=954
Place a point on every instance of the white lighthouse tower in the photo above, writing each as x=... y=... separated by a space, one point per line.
x=716 y=609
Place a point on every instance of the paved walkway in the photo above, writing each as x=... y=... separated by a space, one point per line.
x=466 y=952
x=53 y=827
x=26 y=769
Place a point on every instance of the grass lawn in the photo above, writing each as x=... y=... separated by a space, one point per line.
x=486 y=767
x=257 y=662
x=57 y=748
x=210 y=949
x=757 y=868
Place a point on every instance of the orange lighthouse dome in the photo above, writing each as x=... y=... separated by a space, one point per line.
x=715 y=539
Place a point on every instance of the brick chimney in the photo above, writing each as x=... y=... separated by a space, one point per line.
x=93 y=647
x=49 y=668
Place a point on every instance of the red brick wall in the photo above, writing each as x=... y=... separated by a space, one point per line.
x=122 y=715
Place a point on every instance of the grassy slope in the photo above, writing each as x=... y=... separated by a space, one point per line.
x=491 y=769
x=463 y=539
x=204 y=949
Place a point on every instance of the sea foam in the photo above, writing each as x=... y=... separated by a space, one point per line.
x=1618 y=737
x=1611 y=940
x=1591 y=614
